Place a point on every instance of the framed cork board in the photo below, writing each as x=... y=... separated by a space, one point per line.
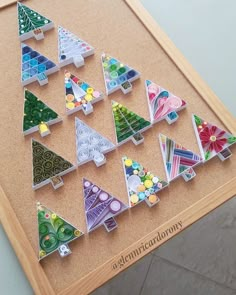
x=127 y=32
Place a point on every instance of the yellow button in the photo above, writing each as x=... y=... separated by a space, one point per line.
x=43 y=127
x=77 y=233
x=134 y=199
x=128 y=162
x=148 y=183
x=54 y=216
x=89 y=90
x=152 y=199
x=70 y=105
x=42 y=253
x=88 y=97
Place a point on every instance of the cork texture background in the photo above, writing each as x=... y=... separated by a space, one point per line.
x=111 y=27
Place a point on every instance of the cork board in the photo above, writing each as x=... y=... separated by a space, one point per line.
x=99 y=256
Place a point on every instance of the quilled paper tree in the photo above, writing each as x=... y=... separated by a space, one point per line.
x=54 y=233
x=142 y=185
x=48 y=167
x=212 y=140
x=37 y=115
x=100 y=207
x=72 y=49
x=79 y=95
x=31 y=23
x=178 y=161
x=117 y=75
x=162 y=103
x=128 y=125
x=35 y=66
x=90 y=145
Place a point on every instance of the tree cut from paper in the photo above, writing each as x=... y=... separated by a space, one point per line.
x=80 y=95
x=48 y=167
x=37 y=115
x=72 y=49
x=90 y=145
x=35 y=66
x=117 y=75
x=54 y=232
x=178 y=160
x=212 y=140
x=31 y=23
x=128 y=125
x=162 y=103
x=142 y=185
x=100 y=207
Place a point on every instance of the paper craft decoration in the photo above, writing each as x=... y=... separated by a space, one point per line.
x=37 y=115
x=48 y=167
x=72 y=49
x=178 y=160
x=117 y=75
x=31 y=23
x=35 y=66
x=142 y=185
x=100 y=207
x=128 y=125
x=162 y=103
x=90 y=145
x=79 y=95
x=54 y=232
x=212 y=140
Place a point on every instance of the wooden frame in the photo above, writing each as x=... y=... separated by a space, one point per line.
x=34 y=271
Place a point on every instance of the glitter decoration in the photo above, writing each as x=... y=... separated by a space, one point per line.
x=142 y=185
x=79 y=95
x=37 y=115
x=31 y=23
x=178 y=160
x=212 y=140
x=72 y=49
x=90 y=145
x=128 y=125
x=55 y=233
x=117 y=75
x=162 y=103
x=100 y=207
x=48 y=167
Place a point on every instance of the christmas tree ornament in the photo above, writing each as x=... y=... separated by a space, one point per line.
x=117 y=75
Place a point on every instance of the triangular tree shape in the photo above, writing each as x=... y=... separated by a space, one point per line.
x=37 y=115
x=90 y=145
x=117 y=75
x=31 y=23
x=162 y=103
x=100 y=207
x=35 y=66
x=48 y=167
x=212 y=140
x=72 y=49
x=128 y=125
x=54 y=233
x=141 y=183
x=177 y=159
x=79 y=95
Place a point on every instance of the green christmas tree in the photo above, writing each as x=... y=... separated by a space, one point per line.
x=37 y=115
x=54 y=233
x=128 y=125
x=48 y=166
x=31 y=23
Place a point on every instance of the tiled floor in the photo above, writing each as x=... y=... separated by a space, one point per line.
x=201 y=260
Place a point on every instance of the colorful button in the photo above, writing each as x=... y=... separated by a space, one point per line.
x=89 y=90
x=70 y=97
x=70 y=105
x=54 y=216
x=152 y=199
x=96 y=94
x=155 y=179
x=115 y=206
x=88 y=97
x=141 y=196
x=77 y=233
x=141 y=188
x=148 y=183
x=134 y=199
x=128 y=162
x=114 y=75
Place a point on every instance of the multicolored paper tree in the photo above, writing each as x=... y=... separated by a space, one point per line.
x=48 y=167
x=31 y=23
x=90 y=145
x=117 y=75
x=37 y=115
x=142 y=185
x=54 y=233
x=162 y=103
x=72 y=49
x=212 y=140
x=35 y=66
x=100 y=207
x=128 y=125
x=79 y=95
x=178 y=160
